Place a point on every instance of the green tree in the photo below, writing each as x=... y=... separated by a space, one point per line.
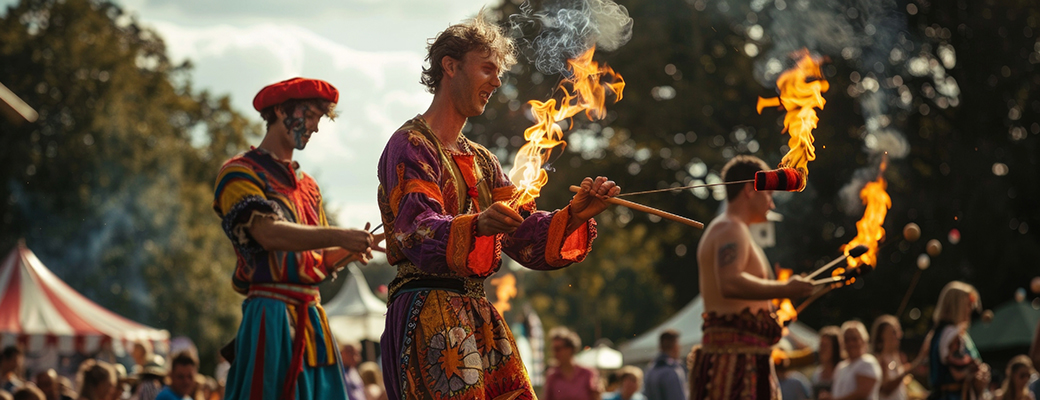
x=695 y=51
x=112 y=187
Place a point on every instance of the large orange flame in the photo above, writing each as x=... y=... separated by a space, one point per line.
x=801 y=91
x=505 y=289
x=869 y=229
x=784 y=309
x=584 y=90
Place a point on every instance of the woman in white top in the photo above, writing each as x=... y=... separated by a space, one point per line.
x=859 y=376
x=885 y=335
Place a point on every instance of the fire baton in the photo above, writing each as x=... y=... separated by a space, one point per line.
x=855 y=252
x=649 y=210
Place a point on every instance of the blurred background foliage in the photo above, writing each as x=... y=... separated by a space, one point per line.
x=112 y=187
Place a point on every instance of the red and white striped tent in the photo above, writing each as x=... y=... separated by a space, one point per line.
x=40 y=312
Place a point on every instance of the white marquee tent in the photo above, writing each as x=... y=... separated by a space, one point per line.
x=356 y=314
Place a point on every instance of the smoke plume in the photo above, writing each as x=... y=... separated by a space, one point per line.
x=568 y=28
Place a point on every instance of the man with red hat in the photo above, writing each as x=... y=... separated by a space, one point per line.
x=444 y=203
x=273 y=214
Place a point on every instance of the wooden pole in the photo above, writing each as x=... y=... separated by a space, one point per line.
x=649 y=210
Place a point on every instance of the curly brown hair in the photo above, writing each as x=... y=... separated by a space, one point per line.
x=478 y=34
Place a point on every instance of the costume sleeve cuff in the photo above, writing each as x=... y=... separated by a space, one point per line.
x=242 y=216
x=561 y=251
x=469 y=254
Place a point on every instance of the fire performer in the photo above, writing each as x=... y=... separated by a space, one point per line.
x=739 y=326
x=273 y=214
x=443 y=200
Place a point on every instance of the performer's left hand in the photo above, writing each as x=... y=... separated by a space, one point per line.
x=590 y=200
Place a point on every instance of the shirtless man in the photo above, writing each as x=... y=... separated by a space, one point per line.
x=737 y=286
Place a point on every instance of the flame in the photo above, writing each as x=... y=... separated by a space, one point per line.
x=801 y=91
x=584 y=90
x=869 y=229
x=778 y=356
x=784 y=309
x=505 y=289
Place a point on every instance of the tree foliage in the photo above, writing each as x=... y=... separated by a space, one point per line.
x=112 y=186
x=689 y=105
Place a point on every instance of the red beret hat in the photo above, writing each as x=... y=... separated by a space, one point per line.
x=295 y=88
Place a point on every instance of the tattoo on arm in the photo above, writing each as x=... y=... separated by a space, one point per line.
x=727 y=254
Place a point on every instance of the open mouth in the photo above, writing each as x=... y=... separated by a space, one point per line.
x=485 y=96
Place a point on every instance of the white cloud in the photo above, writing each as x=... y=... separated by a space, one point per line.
x=378 y=92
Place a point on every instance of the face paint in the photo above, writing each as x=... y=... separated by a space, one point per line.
x=297 y=126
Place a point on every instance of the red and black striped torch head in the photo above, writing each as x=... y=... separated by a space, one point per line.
x=785 y=179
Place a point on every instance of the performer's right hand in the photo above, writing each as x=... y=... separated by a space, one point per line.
x=499 y=218
x=799 y=287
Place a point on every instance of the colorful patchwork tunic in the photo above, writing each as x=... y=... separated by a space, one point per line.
x=443 y=339
x=284 y=349
x=734 y=360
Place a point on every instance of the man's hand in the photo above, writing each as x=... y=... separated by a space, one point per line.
x=357 y=241
x=498 y=218
x=798 y=287
x=590 y=200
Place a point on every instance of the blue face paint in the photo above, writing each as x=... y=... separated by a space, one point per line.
x=297 y=126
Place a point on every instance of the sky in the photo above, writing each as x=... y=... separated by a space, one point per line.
x=371 y=50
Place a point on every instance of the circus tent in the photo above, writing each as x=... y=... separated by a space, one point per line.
x=40 y=312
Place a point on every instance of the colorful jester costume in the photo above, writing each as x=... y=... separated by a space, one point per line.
x=284 y=349
x=443 y=338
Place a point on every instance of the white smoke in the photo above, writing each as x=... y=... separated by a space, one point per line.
x=568 y=28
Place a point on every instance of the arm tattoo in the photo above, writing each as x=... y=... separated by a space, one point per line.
x=727 y=254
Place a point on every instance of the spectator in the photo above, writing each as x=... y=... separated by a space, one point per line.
x=631 y=379
x=1015 y=386
x=859 y=376
x=793 y=384
x=372 y=376
x=565 y=380
x=142 y=354
x=955 y=368
x=886 y=334
x=666 y=378
x=28 y=392
x=182 y=378
x=11 y=362
x=351 y=355
x=50 y=385
x=829 y=356
x=97 y=380
x=150 y=380
x=613 y=384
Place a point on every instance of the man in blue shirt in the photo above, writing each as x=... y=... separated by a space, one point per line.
x=182 y=378
x=666 y=379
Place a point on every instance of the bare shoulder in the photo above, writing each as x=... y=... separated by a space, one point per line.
x=723 y=229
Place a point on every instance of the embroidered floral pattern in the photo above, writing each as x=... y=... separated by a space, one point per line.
x=453 y=360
